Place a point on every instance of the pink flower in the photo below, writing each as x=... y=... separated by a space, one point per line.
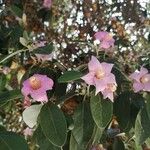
x=39 y=44
x=141 y=80
x=26 y=102
x=105 y=38
x=36 y=86
x=6 y=70
x=109 y=90
x=44 y=57
x=28 y=132
x=101 y=77
x=47 y=3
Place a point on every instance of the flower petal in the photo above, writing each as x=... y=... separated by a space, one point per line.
x=100 y=35
x=89 y=78
x=47 y=3
x=108 y=94
x=108 y=67
x=110 y=79
x=137 y=87
x=135 y=76
x=46 y=82
x=26 y=88
x=39 y=96
x=105 y=44
x=138 y=74
x=100 y=85
x=147 y=87
x=143 y=71
x=94 y=64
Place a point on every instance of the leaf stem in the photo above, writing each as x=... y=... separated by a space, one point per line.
x=13 y=54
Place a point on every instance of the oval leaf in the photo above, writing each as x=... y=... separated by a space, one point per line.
x=118 y=144
x=83 y=125
x=122 y=109
x=53 y=124
x=9 y=95
x=148 y=104
x=43 y=142
x=30 y=115
x=12 y=141
x=70 y=76
x=142 y=127
x=73 y=144
x=102 y=110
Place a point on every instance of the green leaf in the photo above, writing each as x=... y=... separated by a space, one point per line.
x=69 y=76
x=148 y=104
x=12 y=141
x=17 y=11
x=2 y=128
x=9 y=95
x=101 y=110
x=122 y=109
x=83 y=125
x=2 y=81
x=43 y=142
x=73 y=144
x=53 y=124
x=97 y=133
x=137 y=103
x=118 y=144
x=44 y=50
x=142 y=127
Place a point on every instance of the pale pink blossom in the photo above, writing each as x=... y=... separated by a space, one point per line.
x=36 y=86
x=6 y=70
x=28 y=132
x=101 y=77
x=39 y=44
x=44 y=57
x=47 y=3
x=108 y=92
x=141 y=80
x=26 y=102
x=105 y=38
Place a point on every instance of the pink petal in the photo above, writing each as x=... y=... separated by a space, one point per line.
x=137 y=87
x=44 y=57
x=46 y=82
x=100 y=85
x=47 y=3
x=108 y=94
x=94 y=64
x=26 y=88
x=28 y=132
x=137 y=75
x=110 y=78
x=100 y=35
x=147 y=87
x=105 y=45
x=39 y=96
x=89 y=78
x=26 y=102
x=143 y=71
x=108 y=67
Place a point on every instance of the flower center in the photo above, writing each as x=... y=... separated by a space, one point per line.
x=100 y=73
x=35 y=83
x=108 y=37
x=111 y=87
x=145 y=79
